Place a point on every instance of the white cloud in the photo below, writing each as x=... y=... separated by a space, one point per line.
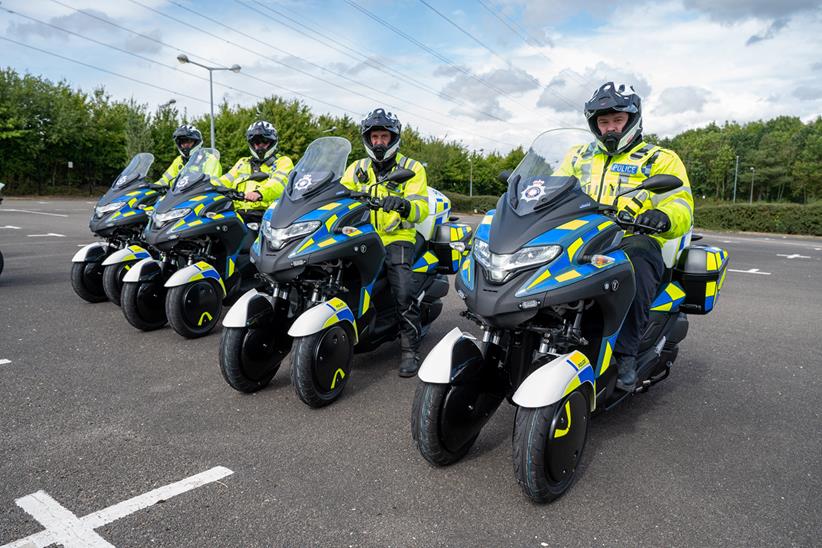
x=682 y=99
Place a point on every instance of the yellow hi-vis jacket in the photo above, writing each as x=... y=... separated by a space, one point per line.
x=168 y=176
x=278 y=167
x=390 y=226
x=603 y=177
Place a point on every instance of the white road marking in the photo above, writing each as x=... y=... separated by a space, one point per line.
x=793 y=256
x=46 y=235
x=5 y=362
x=11 y=227
x=751 y=271
x=35 y=212
x=63 y=527
x=42 y=202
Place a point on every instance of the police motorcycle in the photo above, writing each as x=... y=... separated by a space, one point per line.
x=202 y=254
x=549 y=288
x=119 y=217
x=326 y=296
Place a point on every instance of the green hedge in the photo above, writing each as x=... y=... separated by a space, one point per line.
x=467 y=204
x=779 y=218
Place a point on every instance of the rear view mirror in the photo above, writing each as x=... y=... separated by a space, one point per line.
x=662 y=183
x=504 y=175
x=399 y=176
x=258 y=176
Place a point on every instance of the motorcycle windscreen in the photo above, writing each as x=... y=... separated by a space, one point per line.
x=323 y=162
x=205 y=163
x=136 y=169
x=548 y=169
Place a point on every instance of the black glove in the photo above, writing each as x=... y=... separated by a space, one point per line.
x=655 y=220
x=398 y=204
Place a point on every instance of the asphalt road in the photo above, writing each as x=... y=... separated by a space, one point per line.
x=726 y=452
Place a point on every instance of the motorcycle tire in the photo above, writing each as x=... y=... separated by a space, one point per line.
x=548 y=444
x=113 y=280
x=143 y=306
x=426 y=425
x=321 y=364
x=87 y=281
x=249 y=358
x=193 y=310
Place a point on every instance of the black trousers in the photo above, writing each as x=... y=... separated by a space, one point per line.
x=398 y=260
x=646 y=256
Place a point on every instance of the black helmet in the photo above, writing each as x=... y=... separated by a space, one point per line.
x=186 y=133
x=379 y=119
x=260 y=133
x=615 y=98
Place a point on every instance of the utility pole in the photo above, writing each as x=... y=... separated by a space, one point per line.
x=753 y=173
x=736 y=175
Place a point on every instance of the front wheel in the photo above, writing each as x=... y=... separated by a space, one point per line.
x=321 y=364
x=143 y=304
x=87 y=281
x=113 y=280
x=193 y=309
x=250 y=357
x=548 y=444
x=433 y=433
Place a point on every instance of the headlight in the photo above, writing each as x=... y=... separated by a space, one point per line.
x=162 y=218
x=277 y=237
x=500 y=266
x=99 y=211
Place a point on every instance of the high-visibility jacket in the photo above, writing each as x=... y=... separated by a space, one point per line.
x=603 y=177
x=390 y=226
x=278 y=167
x=168 y=176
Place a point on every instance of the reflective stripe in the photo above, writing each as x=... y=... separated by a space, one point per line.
x=646 y=169
x=413 y=197
x=656 y=199
x=683 y=202
x=641 y=152
x=229 y=177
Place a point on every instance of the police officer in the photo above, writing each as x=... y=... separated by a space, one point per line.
x=263 y=142
x=188 y=140
x=617 y=160
x=403 y=206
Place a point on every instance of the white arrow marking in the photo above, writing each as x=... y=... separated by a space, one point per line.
x=4 y=362
x=793 y=256
x=751 y=271
x=35 y=212
x=11 y=227
x=64 y=527
x=54 y=234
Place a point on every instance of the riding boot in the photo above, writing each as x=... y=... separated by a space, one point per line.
x=626 y=369
x=409 y=363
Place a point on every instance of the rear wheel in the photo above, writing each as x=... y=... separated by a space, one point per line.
x=143 y=304
x=321 y=364
x=194 y=309
x=250 y=357
x=87 y=281
x=548 y=444
x=113 y=280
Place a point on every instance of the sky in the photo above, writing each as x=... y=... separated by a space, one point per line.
x=489 y=73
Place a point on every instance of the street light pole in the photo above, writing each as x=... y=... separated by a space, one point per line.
x=470 y=177
x=183 y=58
x=736 y=176
x=753 y=173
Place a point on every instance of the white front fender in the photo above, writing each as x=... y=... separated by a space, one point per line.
x=437 y=366
x=323 y=315
x=91 y=252
x=194 y=272
x=130 y=253
x=554 y=380
x=136 y=271
x=237 y=315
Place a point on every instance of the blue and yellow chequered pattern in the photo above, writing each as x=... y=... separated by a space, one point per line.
x=207 y=271
x=606 y=353
x=198 y=205
x=669 y=298
x=324 y=237
x=427 y=263
x=341 y=313
x=565 y=270
x=443 y=204
x=467 y=271
x=137 y=254
x=459 y=233
x=365 y=298
x=130 y=208
x=585 y=373
x=484 y=228
x=715 y=261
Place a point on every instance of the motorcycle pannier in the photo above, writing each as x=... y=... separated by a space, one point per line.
x=448 y=257
x=701 y=271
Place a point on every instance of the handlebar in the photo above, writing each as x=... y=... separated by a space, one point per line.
x=627 y=222
x=368 y=199
x=230 y=193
